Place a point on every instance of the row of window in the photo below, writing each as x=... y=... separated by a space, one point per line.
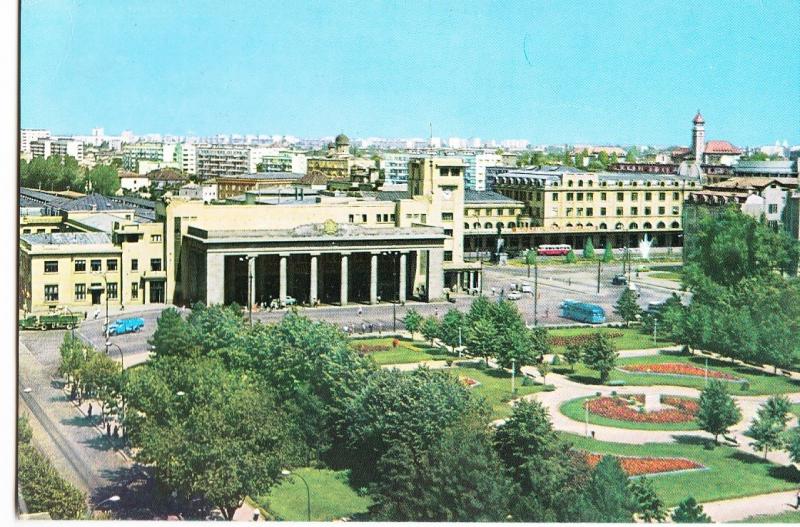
x=634 y=211
x=491 y=212
x=634 y=196
x=632 y=183
x=51 y=266
x=51 y=291
x=38 y=231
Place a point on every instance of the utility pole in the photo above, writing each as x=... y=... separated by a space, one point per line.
x=598 y=276
x=535 y=293
x=513 y=369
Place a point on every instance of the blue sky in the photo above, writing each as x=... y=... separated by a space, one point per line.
x=546 y=71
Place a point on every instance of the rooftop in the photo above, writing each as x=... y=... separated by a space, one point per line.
x=67 y=238
x=263 y=176
x=483 y=196
x=721 y=147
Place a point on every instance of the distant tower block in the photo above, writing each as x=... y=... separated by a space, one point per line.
x=652 y=402
x=698 y=137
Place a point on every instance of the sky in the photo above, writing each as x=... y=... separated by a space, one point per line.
x=546 y=71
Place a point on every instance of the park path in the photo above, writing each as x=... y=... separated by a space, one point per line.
x=742 y=508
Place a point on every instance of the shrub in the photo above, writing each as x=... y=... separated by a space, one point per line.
x=395 y=342
x=527 y=381
x=745 y=386
x=578 y=340
x=549 y=388
x=556 y=360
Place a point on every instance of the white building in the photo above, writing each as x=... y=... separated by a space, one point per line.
x=57 y=147
x=133 y=182
x=207 y=193
x=280 y=160
x=481 y=162
x=26 y=136
x=186 y=157
x=395 y=168
x=228 y=160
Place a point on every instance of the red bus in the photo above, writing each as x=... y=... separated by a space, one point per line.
x=553 y=250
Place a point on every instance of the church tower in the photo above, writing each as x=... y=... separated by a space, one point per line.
x=698 y=137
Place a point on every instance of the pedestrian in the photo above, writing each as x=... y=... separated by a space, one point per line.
x=493 y=291
x=108 y=429
x=89 y=412
x=363 y=328
x=116 y=432
x=797 y=503
x=436 y=313
x=371 y=327
x=344 y=328
x=380 y=327
x=547 y=313
x=360 y=311
x=569 y=281
x=96 y=314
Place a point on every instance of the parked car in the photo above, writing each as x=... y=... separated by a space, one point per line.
x=527 y=288
x=514 y=295
x=126 y=325
x=290 y=301
x=619 y=279
x=632 y=287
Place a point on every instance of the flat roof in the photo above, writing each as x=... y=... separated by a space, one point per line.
x=67 y=238
x=317 y=231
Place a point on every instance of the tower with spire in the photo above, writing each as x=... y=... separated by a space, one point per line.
x=698 y=137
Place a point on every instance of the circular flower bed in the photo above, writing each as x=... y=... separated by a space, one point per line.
x=677 y=368
x=681 y=409
x=639 y=466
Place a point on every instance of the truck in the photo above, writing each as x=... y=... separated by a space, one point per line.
x=52 y=321
x=126 y=325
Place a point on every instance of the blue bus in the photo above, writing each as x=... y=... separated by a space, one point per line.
x=583 y=312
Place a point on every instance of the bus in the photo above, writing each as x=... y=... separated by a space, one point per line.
x=553 y=250
x=583 y=312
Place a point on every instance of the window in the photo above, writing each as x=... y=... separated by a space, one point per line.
x=448 y=256
x=155 y=238
x=363 y=218
x=135 y=264
x=602 y=196
x=602 y=211
x=80 y=292
x=80 y=266
x=590 y=196
x=662 y=196
x=634 y=211
x=26 y=231
x=111 y=265
x=580 y=196
x=448 y=232
x=96 y=265
x=675 y=195
x=619 y=211
x=112 y=291
x=773 y=208
x=155 y=264
x=351 y=218
x=447 y=216
x=51 y=293
x=634 y=196
x=675 y=210
x=590 y=211
x=50 y=266
x=423 y=218
x=580 y=211
x=648 y=196
x=569 y=211
x=135 y=290
x=662 y=211
x=620 y=196
x=569 y=196
x=555 y=196
x=647 y=211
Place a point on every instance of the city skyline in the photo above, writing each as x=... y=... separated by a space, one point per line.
x=381 y=70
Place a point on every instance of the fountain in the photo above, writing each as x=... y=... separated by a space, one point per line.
x=644 y=247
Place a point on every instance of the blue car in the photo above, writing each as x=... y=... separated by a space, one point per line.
x=126 y=325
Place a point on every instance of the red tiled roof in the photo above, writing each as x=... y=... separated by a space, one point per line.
x=698 y=119
x=721 y=147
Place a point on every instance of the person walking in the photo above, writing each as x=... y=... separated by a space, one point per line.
x=116 y=432
x=89 y=412
x=360 y=311
x=797 y=502
x=108 y=429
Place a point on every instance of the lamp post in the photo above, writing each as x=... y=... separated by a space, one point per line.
x=105 y=290
x=286 y=473
x=122 y=365
x=513 y=370
x=249 y=286
x=535 y=291
x=598 y=275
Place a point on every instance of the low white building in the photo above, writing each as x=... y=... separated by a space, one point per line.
x=206 y=193
x=133 y=182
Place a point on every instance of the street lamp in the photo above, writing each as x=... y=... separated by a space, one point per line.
x=286 y=473
x=121 y=356
x=249 y=285
x=513 y=370
x=91 y=510
x=105 y=290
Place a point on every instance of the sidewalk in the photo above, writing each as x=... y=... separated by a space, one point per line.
x=743 y=508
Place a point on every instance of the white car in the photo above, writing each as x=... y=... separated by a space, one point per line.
x=514 y=295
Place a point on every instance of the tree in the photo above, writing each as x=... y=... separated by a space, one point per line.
x=777 y=407
x=599 y=355
x=543 y=368
x=431 y=328
x=718 y=411
x=573 y=355
x=632 y=155
x=40 y=486
x=627 y=306
x=648 y=505
x=767 y=433
x=588 y=249
x=412 y=321
x=103 y=179
x=608 y=253
x=570 y=257
x=73 y=356
x=223 y=439
x=173 y=335
x=689 y=511
x=607 y=498
x=793 y=444
x=481 y=337
x=453 y=327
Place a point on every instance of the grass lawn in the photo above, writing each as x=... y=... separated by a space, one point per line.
x=731 y=474
x=574 y=410
x=761 y=383
x=631 y=338
x=495 y=387
x=665 y=275
x=406 y=351
x=783 y=517
x=331 y=497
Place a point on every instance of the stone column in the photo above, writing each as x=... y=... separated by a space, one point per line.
x=401 y=292
x=373 y=279
x=313 y=289
x=215 y=278
x=479 y=276
x=435 y=274
x=343 y=290
x=251 y=280
x=282 y=289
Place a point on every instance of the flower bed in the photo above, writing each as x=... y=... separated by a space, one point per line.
x=370 y=348
x=640 y=466
x=682 y=410
x=577 y=340
x=469 y=382
x=677 y=368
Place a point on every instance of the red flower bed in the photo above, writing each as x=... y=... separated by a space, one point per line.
x=638 y=466
x=370 y=348
x=677 y=368
x=579 y=339
x=469 y=382
x=682 y=410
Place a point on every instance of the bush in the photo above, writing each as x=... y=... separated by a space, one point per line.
x=549 y=388
x=613 y=393
x=616 y=383
x=745 y=386
x=527 y=381
x=395 y=342
x=556 y=360
x=578 y=340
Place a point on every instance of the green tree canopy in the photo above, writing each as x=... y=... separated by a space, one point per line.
x=718 y=411
x=412 y=321
x=600 y=355
x=627 y=306
x=689 y=511
x=588 y=249
x=103 y=180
